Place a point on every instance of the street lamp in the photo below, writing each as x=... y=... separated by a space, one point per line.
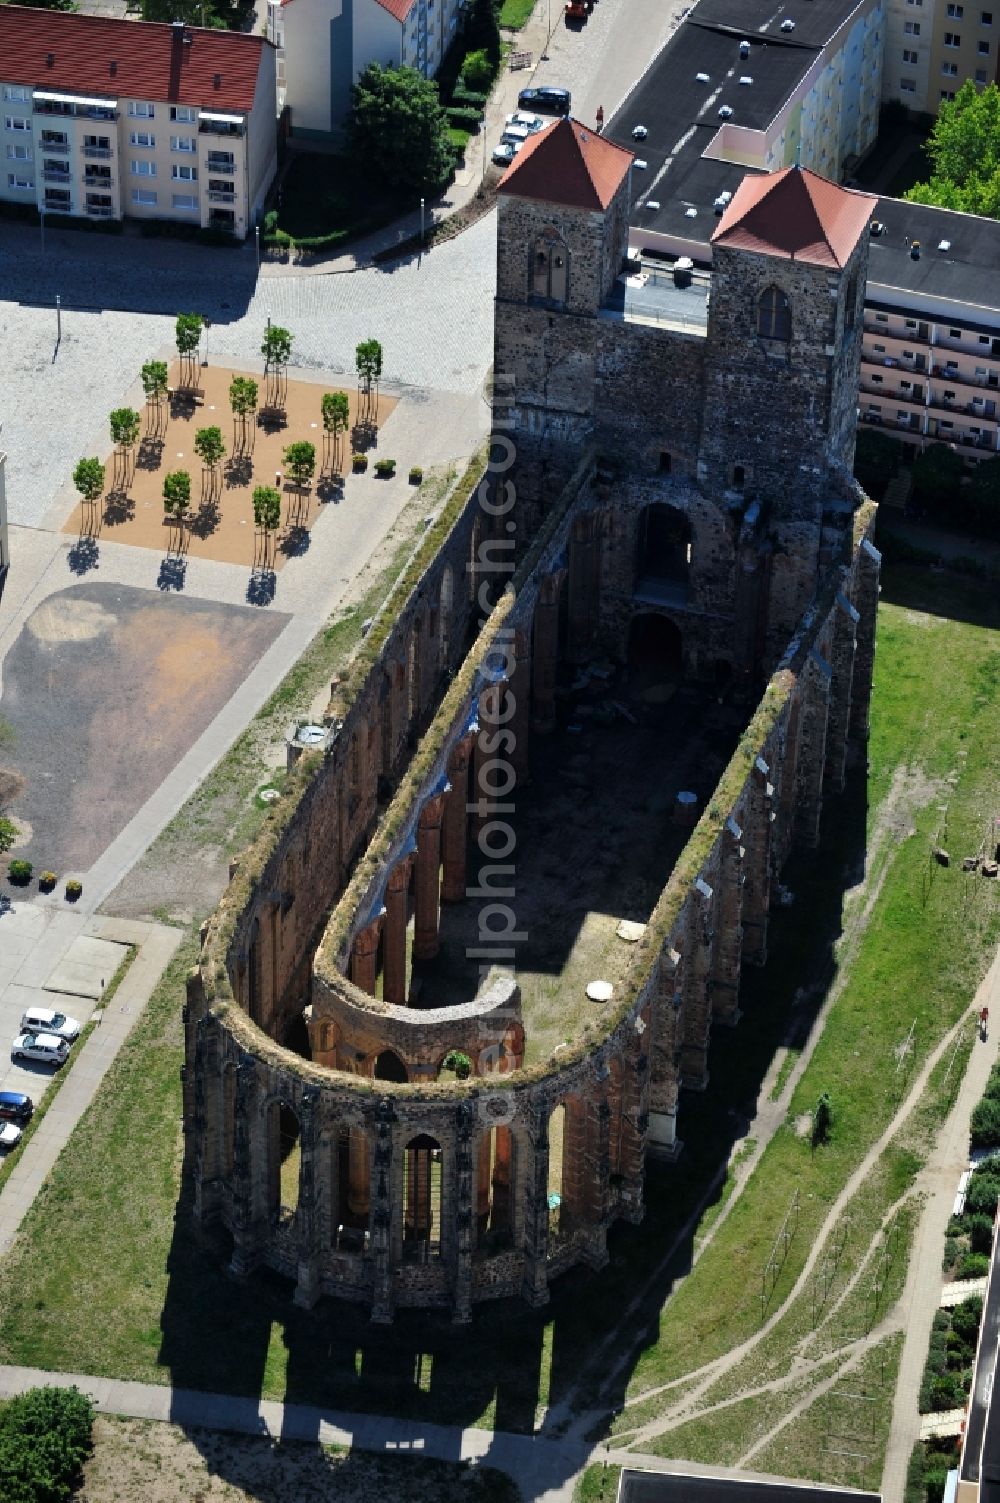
x=256 y=235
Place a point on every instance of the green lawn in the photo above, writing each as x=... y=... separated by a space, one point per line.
x=150 y=1301
x=514 y=13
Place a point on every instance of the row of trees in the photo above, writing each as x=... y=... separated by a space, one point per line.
x=943 y=487
x=964 y=148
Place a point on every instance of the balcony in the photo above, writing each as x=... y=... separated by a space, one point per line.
x=230 y=128
x=52 y=176
x=919 y=335
x=98 y=211
x=887 y=394
x=223 y=165
x=54 y=148
x=102 y=152
x=97 y=180
x=215 y=197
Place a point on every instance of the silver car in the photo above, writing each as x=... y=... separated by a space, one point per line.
x=44 y=1048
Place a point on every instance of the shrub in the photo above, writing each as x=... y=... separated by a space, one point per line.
x=416 y=474
x=8 y=834
x=935 y=1479
x=459 y=1062
x=463 y=117
x=20 y=871
x=478 y=70
x=986 y=1124
x=951 y=1250
x=980 y=1233
x=45 y=1436
x=914 y=1492
x=469 y=97
x=965 y=1318
x=983 y=1192
x=385 y=468
x=973 y=1265
x=73 y=889
x=359 y=463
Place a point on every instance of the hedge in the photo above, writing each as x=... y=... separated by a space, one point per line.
x=463 y=117
x=45 y=1437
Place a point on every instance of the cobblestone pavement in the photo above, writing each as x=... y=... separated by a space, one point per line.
x=120 y=296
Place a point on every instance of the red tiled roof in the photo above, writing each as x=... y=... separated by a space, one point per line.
x=567 y=164
x=148 y=60
x=797 y=215
x=398 y=8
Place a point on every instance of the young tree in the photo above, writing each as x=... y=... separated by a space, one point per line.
x=368 y=363
x=88 y=477
x=482 y=30
x=937 y=476
x=336 y=420
x=478 y=70
x=300 y=462
x=822 y=1120
x=177 y=493
x=266 y=508
x=398 y=126
x=210 y=447
x=124 y=423
x=187 y=333
x=277 y=347
x=154 y=380
x=243 y=401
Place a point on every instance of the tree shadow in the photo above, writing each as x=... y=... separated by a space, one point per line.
x=150 y=455
x=85 y=554
x=295 y=542
x=330 y=490
x=239 y=470
x=119 y=507
x=261 y=586
x=173 y=572
x=364 y=436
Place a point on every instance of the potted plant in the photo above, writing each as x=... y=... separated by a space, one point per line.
x=19 y=872
x=385 y=468
x=73 y=890
x=359 y=463
x=416 y=474
x=47 y=881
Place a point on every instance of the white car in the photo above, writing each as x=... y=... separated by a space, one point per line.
x=44 y=1020
x=43 y=1047
x=516 y=134
x=531 y=123
x=506 y=152
x=10 y=1136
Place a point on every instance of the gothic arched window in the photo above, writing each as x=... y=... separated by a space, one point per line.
x=550 y=270
x=851 y=303
x=774 y=315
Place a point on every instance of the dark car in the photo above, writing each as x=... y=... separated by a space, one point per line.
x=15 y=1106
x=552 y=101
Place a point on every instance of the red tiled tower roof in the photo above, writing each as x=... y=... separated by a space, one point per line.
x=567 y=164
x=114 y=59
x=798 y=215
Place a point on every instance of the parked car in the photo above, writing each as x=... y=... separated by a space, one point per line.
x=531 y=123
x=576 y=10
x=15 y=1106
x=43 y=1047
x=515 y=135
x=10 y=1136
x=505 y=153
x=549 y=100
x=44 y=1020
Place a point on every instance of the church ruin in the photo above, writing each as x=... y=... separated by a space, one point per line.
x=668 y=509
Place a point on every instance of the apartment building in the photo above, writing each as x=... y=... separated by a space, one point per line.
x=324 y=45
x=933 y=46
x=108 y=119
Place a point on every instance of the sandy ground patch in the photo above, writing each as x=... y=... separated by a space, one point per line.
x=220 y=522
x=141 y=1461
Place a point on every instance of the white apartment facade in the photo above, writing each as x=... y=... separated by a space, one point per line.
x=105 y=119
x=324 y=46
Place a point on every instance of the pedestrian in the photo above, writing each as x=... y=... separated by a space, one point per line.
x=600 y=118
x=984 y=1018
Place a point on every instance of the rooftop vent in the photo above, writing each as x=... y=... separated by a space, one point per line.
x=876 y=228
x=702 y=78
x=744 y=49
x=945 y=245
x=722 y=201
x=652 y=203
x=915 y=251
x=177 y=27
x=746 y=79
x=691 y=213
x=725 y=111
x=50 y=59
x=217 y=80
x=640 y=162
x=788 y=25
x=639 y=133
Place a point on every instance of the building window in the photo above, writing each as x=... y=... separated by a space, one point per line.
x=185 y=200
x=17 y=122
x=878 y=380
x=54 y=138
x=955 y=12
x=986 y=18
x=550 y=270
x=183 y=143
x=58 y=199
x=739 y=474
x=140 y=110
x=16 y=94
x=142 y=138
x=666 y=462
x=950 y=69
x=183 y=174
x=143 y=169
x=954 y=334
x=774 y=315
x=947 y=94
x=953 y=39
x=15 y=180
x=912 y=28
x=19 y=153
x=879 y=349
x=983 y=48
x=145 y=197
x=182 y=113
x=907 y=86
x=980 y=75
x=909 y=57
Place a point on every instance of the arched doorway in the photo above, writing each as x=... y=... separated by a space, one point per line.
x=389 y=1066
x=423 y=1168
x=663 y=554
x=655 y=650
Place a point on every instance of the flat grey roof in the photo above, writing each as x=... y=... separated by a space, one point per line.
x=660 y=300
x=957 y=273
x=674 y=1487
